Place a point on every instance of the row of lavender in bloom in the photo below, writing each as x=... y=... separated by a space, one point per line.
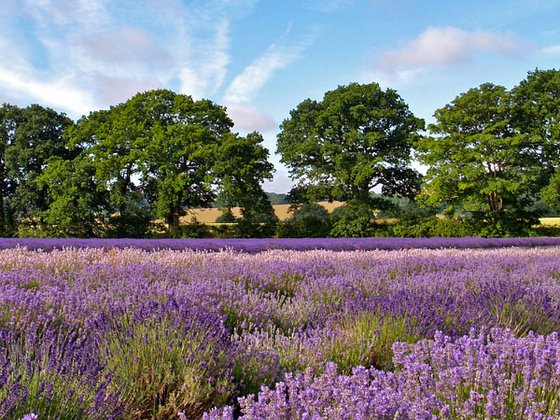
x=254 y=245
x=490 y=375
x=125 y=333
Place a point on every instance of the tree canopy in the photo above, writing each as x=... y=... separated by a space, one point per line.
x=164 y=153
x=359 y=137
x=486 y=157
x=28 y=138
x=492 y=156
x=537 y=115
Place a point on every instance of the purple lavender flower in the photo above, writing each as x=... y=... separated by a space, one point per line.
x=483 y=375
x=377 y=334
x=259 y=245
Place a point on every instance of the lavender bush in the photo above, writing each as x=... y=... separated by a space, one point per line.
x=255 y=245
x=482 y=375
x=101 y=332
x=52 y=372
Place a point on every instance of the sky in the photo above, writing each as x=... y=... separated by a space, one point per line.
x=261 y=58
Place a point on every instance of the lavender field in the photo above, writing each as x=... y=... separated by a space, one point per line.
x=408 y=333
x=254 y=245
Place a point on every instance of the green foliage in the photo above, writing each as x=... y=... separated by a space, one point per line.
x=132 y=220
x=223 y=231
x=195 y=229
x=28 y=138
x=77 y=204
x=155 y=151
x=551 y=193
x=156 y=379
x=306 y=221
x=366 y=339
x=492 y=157
x=161 y=153
x=478 y=161
x=276 y=198
x=536 y=114
x=257 y=225
x=355 y=219
x=540 y=231
x=357 y=138
x=242 y=165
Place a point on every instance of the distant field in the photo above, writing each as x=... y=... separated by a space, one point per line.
x=282 y=211
x=550 y=221
x=209 y=215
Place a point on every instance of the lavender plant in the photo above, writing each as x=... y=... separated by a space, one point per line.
x=165 y=359
x=52 y=372
x=138 y=332
x=482 y=375
x=258 y=245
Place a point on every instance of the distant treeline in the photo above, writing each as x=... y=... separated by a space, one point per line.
x=133 y=170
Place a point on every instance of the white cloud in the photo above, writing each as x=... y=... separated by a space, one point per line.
x=59 y=92
x=445 y=46
x=552 y=50
x=281 y=183
x=247 y=118
x=205 y=67
x=103 y=50
x=246 y=85
x=126 y=45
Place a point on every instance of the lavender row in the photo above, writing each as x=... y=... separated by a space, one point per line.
x=483 y=375
x=258 y=245
x=152 y=334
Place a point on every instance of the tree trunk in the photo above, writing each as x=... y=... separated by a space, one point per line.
x=173 y=224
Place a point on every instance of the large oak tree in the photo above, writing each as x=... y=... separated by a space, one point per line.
x=164 y=153
x=480 y=161
x=358 y=138
x=28 y=138
x=537 y=115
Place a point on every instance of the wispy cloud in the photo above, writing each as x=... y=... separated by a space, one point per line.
x=446 y=46
x=75 y=54
x=251 y=80
x=205 y=63
x=125 y=45
x=58 y=92
x=246 y=85
x=277 y=56
x=552 y=50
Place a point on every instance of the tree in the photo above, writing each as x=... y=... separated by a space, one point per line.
x=357 y=138
x=277 y=198
x=536 y=114
x=29 y=137
x=8 y=114
x=551 y=193
x=77 y=203
x=154 y=153
x=162 y=153
x=479 y=162
x=115 y=143
x=181 y=151
x=241 y=167
x=310 y=220
x=353 y=219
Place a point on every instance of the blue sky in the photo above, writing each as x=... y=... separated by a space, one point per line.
x=262 y=58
